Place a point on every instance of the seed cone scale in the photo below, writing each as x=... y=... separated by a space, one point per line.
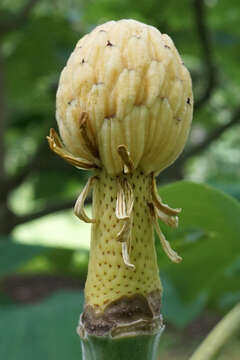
x=124 y=109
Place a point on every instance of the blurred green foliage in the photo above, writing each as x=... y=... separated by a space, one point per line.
x=208 y=240
x=44 y=330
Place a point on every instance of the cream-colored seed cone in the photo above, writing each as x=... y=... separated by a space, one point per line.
x=130 y=83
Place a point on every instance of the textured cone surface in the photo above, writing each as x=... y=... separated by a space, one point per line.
x=130 y=81
x=108 y=277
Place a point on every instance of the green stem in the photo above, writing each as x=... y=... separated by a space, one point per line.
x=219 y=336
x=143 y=347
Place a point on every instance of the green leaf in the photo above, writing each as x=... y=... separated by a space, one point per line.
x=209 y=251
x=175 y=310
x=42 y=331
x=5 y=300
x=31 y=259
x=13 y=255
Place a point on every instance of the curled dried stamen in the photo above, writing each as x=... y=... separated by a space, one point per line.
x=79 y=206
x=165 y=244
x=85 y=130
x=57 y=146
x=127 y=161
x=121 y=211
x=125 y=232
x=124 y=236
x=158 y=201
x=124 y=207
x=125 y=256
x=163 y=211
x=125 y=200
x=168 y=220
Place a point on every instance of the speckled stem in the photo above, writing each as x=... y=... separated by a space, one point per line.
x=122 y=302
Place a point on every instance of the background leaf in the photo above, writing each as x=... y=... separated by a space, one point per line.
x=13 y=255
x=208 y=252
x=42 y=331
x=175 y=310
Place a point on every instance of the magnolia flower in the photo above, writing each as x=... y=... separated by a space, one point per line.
x=124 y=109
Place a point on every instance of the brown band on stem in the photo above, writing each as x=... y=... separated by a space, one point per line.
x=154 y=301
x=136 y=312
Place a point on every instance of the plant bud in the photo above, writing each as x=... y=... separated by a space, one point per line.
x=125 y=84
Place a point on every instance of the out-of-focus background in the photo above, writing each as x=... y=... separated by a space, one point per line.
x=44 y=247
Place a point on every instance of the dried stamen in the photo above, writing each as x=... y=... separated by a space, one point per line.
x=57 y=146
x=168 y=220
x=125 y=256
x=158 y=201
x=127 y=161
x=79 y=206
x=165 y=244
x=124 y=207
x=125 y=200
x=85 y=131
